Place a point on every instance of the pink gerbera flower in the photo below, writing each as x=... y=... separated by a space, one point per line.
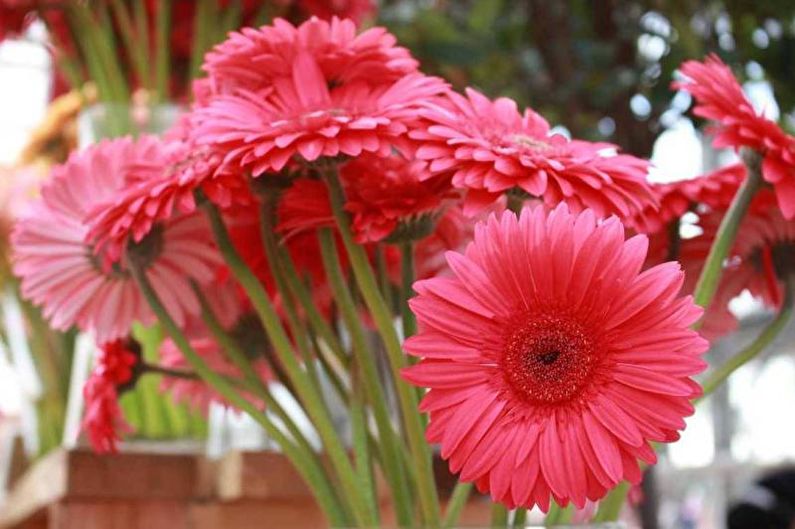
x=719 y=97
x=158 y=189
x=103 y=420
x=552 y=361
x=74 y=284
x=488 y=148
x=252 y=58
x=306 y=116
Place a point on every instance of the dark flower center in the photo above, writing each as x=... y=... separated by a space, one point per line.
x=549 y=359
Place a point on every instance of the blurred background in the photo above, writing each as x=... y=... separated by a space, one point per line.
x=599 y=70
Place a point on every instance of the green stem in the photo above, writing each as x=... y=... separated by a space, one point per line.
x=610 y=507
x=309 y=470
x=762 y=341
x=272 y=254
x=308 y=394
x=713 y=267
x=519 y=518
x=361 y=447
x=558 y=515
x=420 y=451
x=458 y=500
x=499 y=516
x=395 y=472
x=407 y=274
x=162 y=48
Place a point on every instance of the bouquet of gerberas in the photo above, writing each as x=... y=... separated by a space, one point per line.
x=328 y=216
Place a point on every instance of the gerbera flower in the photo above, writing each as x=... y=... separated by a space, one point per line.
x=720 y=98
x=382 y=195
x=552 y=361
x=74 y=284
x=488 y=148
x=253 y=58
x=764 y=251
x=715 y=190
x=306 y=116
x=115 y=369
x=158 y=189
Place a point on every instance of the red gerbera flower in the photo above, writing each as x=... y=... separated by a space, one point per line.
x=720 y=98
x=355 y=10
x=382 y=195
x=552 y=361
x=715 y=190
x=252 y=58
x=488 y=148
x=102 y=419
x=764 y=251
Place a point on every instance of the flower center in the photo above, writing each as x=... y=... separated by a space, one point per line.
x=549 y=358
x=531 y=143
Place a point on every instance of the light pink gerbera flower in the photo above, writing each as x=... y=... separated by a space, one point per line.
x=552 y=361
x=306 y=116
x=62 y=272
x=488 y=148
x=719 y=97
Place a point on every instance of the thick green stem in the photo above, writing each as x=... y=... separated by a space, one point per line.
x=407 y=274
x=312 y=473
x=458 y=500
x=761 y=342
x=499 y=516
x=407 y=397
x=390 y=443
x=308 y=394
x=713 y=267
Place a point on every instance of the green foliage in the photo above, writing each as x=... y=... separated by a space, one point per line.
x=579 y=61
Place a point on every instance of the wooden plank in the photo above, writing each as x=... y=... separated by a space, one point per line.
x=119 y=514
x=256 y=514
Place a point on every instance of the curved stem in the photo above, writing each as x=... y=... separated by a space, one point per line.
x=610 y=507
x=407 y=274
x=308 y=394
x=724 y=239
x=407 y=397
x=310 y=471
x=519 y=518
x=757 y=346
x=458 y=499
